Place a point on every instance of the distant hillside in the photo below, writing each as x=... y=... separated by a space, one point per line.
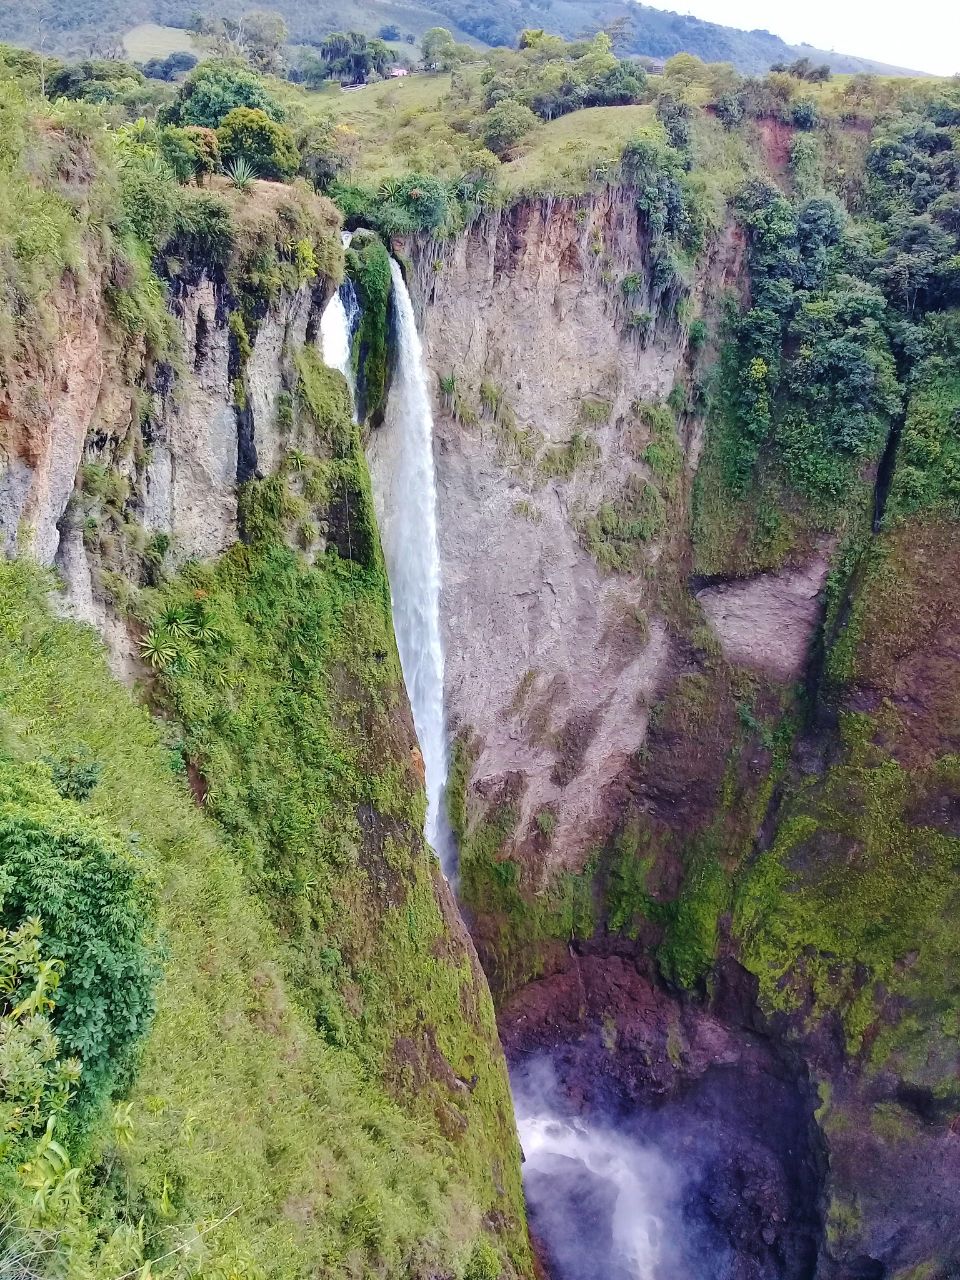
x=80 y=26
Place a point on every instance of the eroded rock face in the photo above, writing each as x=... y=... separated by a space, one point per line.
x=203 y=445
x=768 y=622
x=81 y=404
x=551 y=662
x=47 y=407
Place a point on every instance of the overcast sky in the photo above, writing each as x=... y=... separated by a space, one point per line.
x=921 y=34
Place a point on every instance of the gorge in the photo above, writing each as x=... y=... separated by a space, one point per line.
x=598 y=540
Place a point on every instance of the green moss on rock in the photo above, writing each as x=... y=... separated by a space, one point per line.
x=368 y=266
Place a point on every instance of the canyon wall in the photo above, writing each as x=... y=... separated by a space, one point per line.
x=632 y=761
x=556 y=637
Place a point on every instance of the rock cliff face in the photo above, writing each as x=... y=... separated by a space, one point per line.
x=542 y=324
x=631 y=788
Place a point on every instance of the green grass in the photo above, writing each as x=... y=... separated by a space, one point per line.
x=402 y=128
x=150 y=40
x=399 y=126
x=853 y=909
x=240 y=1105
x=563 y=155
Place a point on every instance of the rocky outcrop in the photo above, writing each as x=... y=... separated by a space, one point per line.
x=49 y=405
x=768 y=622
x=211 y=430
x=181 y=458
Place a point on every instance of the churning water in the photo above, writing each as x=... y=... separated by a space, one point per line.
x=604 y=1205
x=405 y=491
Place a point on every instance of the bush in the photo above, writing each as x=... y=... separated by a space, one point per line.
x=506 y=124
x=203 y=228
x=249 y=134
x=171 y=66
x=484 y=1262
x=59 y=864
x=214 y=89
x=805 y=114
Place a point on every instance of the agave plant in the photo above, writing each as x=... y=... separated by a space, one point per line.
x=176 y=622
x=200 y=627
x=159 y=649
x=241 y=173
x=390 y=189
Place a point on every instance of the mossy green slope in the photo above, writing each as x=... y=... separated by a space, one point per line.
x=855 y=901
x=322 y=1091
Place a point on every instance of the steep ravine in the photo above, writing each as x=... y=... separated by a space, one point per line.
x=612 y=715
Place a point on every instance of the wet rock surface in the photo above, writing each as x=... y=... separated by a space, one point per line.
x=728 y=1113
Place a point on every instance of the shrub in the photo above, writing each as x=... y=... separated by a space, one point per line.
x=506 y=124
x=805 y=114
x=203 y=228
x=214 y=89
x=484 y=1262
x=249 y=134
x=697 y=333
x=206 y=148
x=59 y=864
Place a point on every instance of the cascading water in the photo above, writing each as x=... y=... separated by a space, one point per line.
x=601 y=1202
x=405 y=489
x=337 y=326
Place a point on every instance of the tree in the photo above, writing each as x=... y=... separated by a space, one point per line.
x=390 y=31
x=617 y=87
x=440 y=50
x=685 y=69
x=265 y=37
x=63 y=866
x=505 y=124
x=206 y=149
x=249 y=134
x=326 y=150
x=171 y=66
x=213 y=89
x=350 y=56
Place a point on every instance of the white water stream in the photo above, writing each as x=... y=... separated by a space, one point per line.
x=405 y=490
x=405 y=493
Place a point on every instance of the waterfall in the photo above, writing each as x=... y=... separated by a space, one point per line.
x=337 y=325
x=603 y=1202
x=405 y=490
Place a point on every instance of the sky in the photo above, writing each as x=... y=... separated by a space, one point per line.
x=923 y=35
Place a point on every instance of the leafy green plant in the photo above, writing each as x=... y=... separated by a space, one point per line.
x=63 y=866
x=241 y=173
x=249 y=134
x=159 y=649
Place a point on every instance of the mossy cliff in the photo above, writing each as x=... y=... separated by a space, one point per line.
x=713 y=728
x=288 y=1063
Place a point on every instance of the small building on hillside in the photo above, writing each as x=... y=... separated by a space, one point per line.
x=399 y=71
